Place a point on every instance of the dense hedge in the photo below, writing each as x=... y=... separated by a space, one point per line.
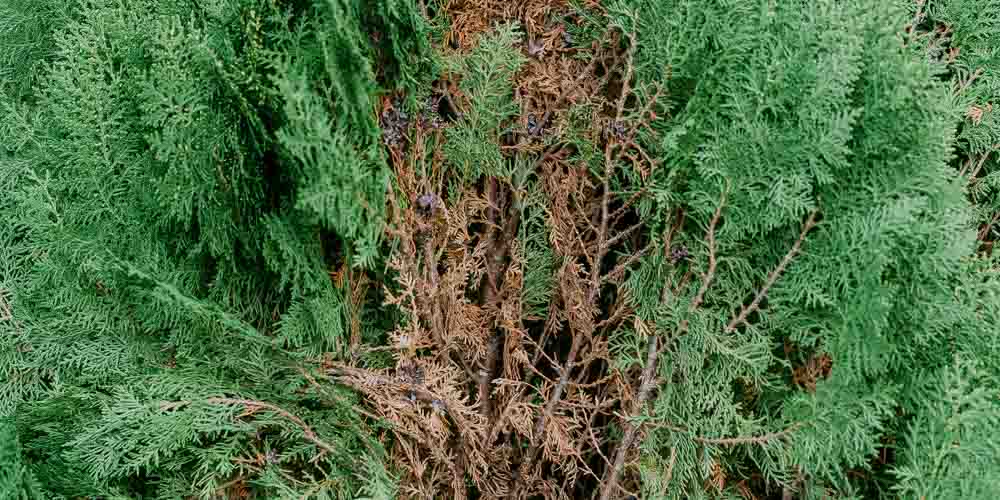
x=398 y=248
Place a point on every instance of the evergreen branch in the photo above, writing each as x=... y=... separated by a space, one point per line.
x=774 y=275
x=253 y=405
x=734 y=441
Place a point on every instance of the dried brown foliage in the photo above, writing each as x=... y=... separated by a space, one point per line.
x=485 y=401
x=471 y=18
x=815 y=368
x=480 y=394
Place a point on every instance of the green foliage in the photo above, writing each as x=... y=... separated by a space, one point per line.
x=27 y=29
x=473 y=146
x=799 y=106
x=539 y=260
x=952 y=444
x=16 y=480
x=190 y=188
x=972 y=63
x=179 y=180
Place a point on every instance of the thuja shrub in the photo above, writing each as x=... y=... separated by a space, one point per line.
x=834 y=314
x=720 y=259
x=381 y=249
x=185 y=184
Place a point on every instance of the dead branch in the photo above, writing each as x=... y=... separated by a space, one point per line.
x=550 y=407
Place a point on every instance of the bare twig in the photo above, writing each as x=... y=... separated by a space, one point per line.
x=646 y=115
x=962 y=84
x=979 y=165
x=437 y=315
x=5 y=311
x=918 y=17
x=587 y=72
x=349 y=376
x=774 y=275
x=706 y=281
x=619 y=270
x=489 y=295
x=734 y=441
x=629 y=71
x=620 y=211
x=985 y=230
x=340 y=399
x=648 y=378
x=624 y=234
x=670 y=466
x=974 y=170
